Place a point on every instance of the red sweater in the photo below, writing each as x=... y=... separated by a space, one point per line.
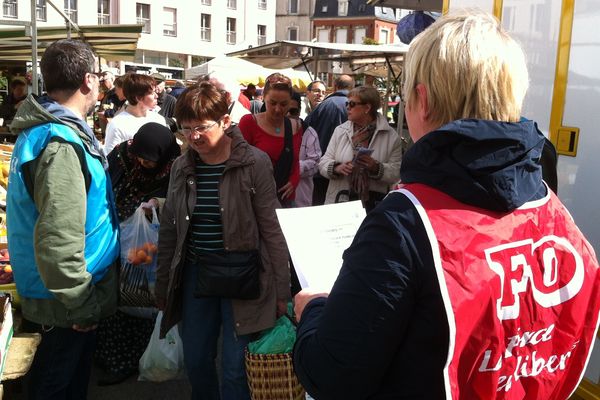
x=272 y=145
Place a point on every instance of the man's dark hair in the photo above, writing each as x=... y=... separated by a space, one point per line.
x=65 y=63
x=310 y=85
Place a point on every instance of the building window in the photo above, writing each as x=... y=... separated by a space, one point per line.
x=9 y=8
x=323 y=35
x=206 y=2
x=103 y=12
x=232 y=4
x=342 y=8
x=170 y=24
x=40 y=10
x=362 y=7
x=71 y=9
x=142 y=12
x=205 y=27
x=292 y=33
x=230 y=35
x=293 y=6
x=341 y=35
x=262 y=34
x=384 y=36
x=359 y=35
x=324 y=9
x=262 y=4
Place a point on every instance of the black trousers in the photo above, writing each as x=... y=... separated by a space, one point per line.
x=62 y=364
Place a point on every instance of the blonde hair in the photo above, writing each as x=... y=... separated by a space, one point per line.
x=471 y=68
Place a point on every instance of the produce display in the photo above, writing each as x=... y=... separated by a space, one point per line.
x=6 y=274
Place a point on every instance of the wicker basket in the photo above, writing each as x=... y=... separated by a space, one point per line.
x=272 y=377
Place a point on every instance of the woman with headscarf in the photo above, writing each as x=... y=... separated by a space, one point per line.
x=139 y=169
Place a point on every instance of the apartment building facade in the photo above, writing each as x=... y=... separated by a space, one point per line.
x=177 y=34
x=293 y=20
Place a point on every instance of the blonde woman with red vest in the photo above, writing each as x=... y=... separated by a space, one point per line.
x=472 y=280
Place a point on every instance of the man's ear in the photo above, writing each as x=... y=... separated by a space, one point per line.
x=88 y=83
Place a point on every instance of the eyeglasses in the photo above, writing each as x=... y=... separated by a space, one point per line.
x=352 y=104
x=198 y=129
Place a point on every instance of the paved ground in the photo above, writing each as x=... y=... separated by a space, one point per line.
x=131 y=389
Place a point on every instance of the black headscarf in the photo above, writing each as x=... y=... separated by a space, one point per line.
x=134 y=184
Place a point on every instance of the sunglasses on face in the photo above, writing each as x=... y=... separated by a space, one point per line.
x=352 y=104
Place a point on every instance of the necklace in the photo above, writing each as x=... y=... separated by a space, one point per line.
x=277 y=130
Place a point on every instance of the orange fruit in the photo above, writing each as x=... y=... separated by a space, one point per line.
x=148 y=260
x=152 y=248
x=141 y=254
x=7 y=268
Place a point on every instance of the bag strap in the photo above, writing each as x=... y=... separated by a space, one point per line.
x=283 y=166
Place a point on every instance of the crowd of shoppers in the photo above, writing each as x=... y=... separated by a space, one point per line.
x=414 y=313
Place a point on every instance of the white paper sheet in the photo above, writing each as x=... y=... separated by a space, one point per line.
x=317 y=237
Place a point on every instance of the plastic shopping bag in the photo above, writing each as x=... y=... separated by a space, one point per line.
x=163 y=358
x=139 y=240
x=276 y=340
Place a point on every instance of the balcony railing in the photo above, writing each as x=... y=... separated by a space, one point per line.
x=103 y=19
x=230 y=37
x=205 y=34
x=146 y=23
x=9 y=10
x=40 y=13
x=169 y=29
x=262 y=39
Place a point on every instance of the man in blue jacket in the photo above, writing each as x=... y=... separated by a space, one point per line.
x=472 y=281
x=328 y=115
x=62 y=225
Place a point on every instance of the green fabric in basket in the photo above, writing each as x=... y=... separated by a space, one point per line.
x=276 y=340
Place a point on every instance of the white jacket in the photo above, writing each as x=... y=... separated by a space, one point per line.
x=387 y=150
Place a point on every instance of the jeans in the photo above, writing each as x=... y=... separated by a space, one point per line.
x=62 y=364
x=200 y=327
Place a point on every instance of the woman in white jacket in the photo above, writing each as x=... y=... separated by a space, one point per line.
x=362 y=160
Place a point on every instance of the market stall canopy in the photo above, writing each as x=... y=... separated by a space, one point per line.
x=245 y=72
x=291 y=54
x=112 y=42
x=420 y=5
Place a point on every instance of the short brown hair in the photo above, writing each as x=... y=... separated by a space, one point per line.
x=136 y=86
x=201 y=101
x=368 y=95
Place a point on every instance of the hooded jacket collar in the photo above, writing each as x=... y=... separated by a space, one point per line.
x=34 y=112
x=488 y=164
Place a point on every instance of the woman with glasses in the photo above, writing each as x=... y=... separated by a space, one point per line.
x=139 y=90
x=278 y=136
x=219 y=219
x=362 y=160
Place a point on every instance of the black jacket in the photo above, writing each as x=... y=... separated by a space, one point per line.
x=382 y=333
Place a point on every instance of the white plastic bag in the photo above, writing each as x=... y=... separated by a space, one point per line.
x=139 y=240
x=163 y=358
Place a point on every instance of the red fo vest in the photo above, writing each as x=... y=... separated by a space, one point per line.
x=521 y=292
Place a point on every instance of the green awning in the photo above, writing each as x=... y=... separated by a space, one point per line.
x=111 y=42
